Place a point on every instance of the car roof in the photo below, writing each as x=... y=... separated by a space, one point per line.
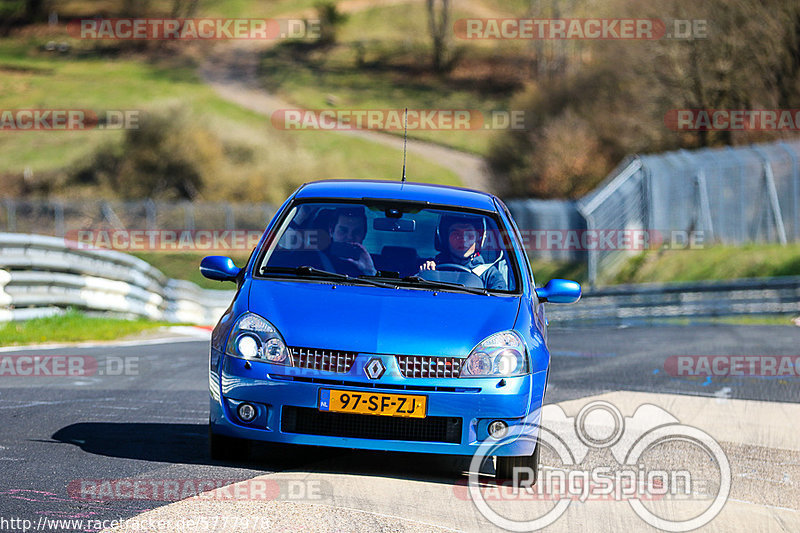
x=397 y=190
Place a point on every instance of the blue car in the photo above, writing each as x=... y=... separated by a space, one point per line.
x=383 y=315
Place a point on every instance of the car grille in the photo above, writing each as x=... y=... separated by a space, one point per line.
x=420 y=366
x=326 y=360
x=313 y=422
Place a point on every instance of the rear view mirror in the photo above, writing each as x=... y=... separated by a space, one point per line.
x=394 y=224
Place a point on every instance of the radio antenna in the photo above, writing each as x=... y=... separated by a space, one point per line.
x=405 y=142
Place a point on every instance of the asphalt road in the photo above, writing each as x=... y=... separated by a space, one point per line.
x=60 y=433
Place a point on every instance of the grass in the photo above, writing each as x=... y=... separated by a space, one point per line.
x=72 y=326
x=30 y=78
x=393 y=44
x=544 y=271
x=752 y=320
x=186 y=265
x=206 y=8
x=716 y=262
x=713 y=263
x=254 y=8
x=732 y=320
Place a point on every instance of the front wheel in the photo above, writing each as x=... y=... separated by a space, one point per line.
x=505 y=467
x=221 y=447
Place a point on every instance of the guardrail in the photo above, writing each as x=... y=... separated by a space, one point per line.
x=41 y=275
x=631 y=303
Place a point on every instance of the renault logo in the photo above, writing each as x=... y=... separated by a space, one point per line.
x=374 y=369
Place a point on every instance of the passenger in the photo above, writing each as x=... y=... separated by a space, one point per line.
x=347 y=231
x=459 y=238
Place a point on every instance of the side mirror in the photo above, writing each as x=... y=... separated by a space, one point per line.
x=219 y=268
x=560 y=291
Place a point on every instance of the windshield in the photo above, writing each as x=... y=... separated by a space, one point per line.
x=405 y=244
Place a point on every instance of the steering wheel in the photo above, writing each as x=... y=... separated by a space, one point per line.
x=450 y=267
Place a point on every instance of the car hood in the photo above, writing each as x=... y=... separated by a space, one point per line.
x=377 y=320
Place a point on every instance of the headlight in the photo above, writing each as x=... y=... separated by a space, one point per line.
x=500 y=355
x=255 y=338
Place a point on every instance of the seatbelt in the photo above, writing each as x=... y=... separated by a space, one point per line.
x=480 y=269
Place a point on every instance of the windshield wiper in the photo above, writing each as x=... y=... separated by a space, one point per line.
x=444 y=285
x=309 y=270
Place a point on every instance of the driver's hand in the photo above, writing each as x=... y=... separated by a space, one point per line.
x=364 y=262
x=427 y=265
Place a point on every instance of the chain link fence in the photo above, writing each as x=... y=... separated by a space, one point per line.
x=727 y=195
x=63 y=218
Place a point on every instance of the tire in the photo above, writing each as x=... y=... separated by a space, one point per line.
x=504 y=466
x=221 y=447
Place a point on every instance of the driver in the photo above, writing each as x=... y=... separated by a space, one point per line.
x=459 y=238
x=347 y=231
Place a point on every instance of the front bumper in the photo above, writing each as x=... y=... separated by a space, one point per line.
x=460 y=408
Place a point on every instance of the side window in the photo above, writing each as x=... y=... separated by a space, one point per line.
x=519 y=239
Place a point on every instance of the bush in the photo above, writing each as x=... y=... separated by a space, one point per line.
x=167 y=157
x=569 y=142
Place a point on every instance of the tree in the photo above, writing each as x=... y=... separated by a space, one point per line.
x=35 y=10
x=184 y=8
x=330 y=18
x=15 y=12
x=439 y=27
x=617 y=102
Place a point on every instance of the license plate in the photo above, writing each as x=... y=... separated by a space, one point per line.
x=369 y=403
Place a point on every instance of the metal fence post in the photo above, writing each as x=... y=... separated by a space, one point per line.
x=58 y=209
x=230 y=221
x=705 y=205
x=795 y=191
x=111 y=216
x=188 y=214
x=11 y=215
x=592 y=255
x=772 y=195
x=151 y=214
